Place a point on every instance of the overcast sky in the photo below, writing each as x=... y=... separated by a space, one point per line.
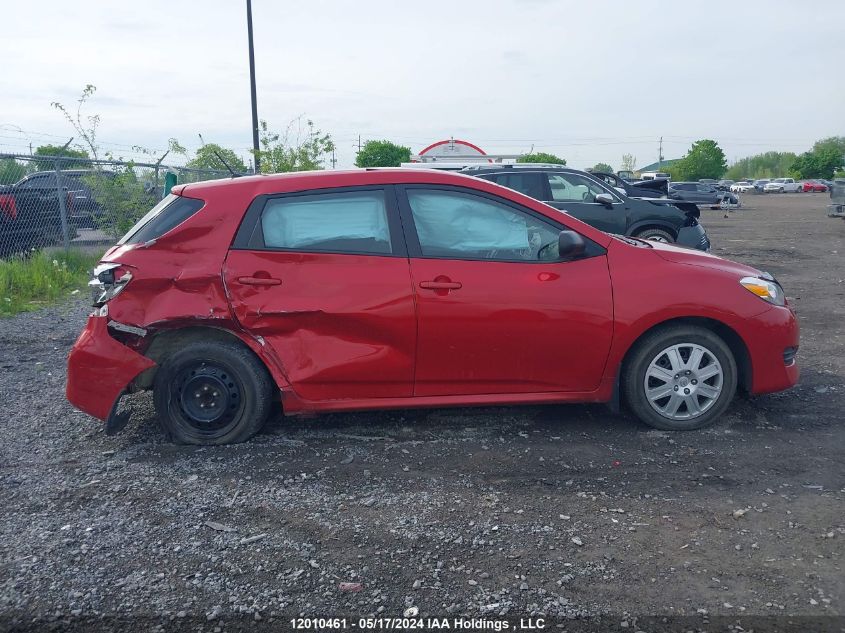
x=588 y=81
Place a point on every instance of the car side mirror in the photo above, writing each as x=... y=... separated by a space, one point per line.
x=570 y=245
x=606 y=199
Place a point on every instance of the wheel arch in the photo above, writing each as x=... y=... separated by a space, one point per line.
x=725 y=332
x=644 y=225
x=165 y=341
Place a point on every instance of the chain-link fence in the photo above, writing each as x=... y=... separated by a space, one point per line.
x=73 y=202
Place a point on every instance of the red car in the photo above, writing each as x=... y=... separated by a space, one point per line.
x=813 y=186
x=379 y=289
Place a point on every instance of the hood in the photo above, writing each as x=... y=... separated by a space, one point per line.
x=690 y=208
x=690 y=257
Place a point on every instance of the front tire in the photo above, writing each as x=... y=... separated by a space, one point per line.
x=679 y=378
x=212 y=392
x=657 y=235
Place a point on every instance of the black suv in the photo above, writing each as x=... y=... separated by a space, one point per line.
x=591 y=200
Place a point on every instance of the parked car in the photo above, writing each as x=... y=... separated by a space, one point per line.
x=759 y=184
x=30 y=214
x=655 y=175
x=590 y=199
x=725 y=185
x=782 y=185
x=812 y=186
x=658 y=188
x=652 y=175
x=743 y=186
x=836 y=208
x=702 y=193
x=380 y=289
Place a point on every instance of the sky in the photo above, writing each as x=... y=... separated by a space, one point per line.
x=588 y=81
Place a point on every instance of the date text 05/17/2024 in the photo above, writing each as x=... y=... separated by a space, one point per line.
x=420 y=624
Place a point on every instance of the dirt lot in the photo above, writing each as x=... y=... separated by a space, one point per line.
x=565 y=511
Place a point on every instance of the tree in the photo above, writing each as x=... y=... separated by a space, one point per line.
x=46 y=164
x=206 y=158
x=765 y=165
x=705 y=159
x=297 y=149
x=629 y=162
x=836 y=143
x=818 y=163
x=382 y=154
x=541 y=157
x=603 y=167
x=11 y=171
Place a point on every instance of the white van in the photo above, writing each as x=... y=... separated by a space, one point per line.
x=653 y=175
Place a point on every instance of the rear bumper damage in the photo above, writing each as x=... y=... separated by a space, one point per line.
x=99 y=372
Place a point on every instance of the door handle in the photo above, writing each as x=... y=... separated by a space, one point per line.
x=441 y=285
x=259 y=281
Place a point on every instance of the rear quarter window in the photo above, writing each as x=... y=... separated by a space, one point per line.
x=166 y=215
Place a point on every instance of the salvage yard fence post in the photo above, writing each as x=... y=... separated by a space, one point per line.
x=62 y=197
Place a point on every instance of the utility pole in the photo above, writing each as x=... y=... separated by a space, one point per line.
x=334 y=160
x=660 y=155
x=359 y=144
x=252 y=85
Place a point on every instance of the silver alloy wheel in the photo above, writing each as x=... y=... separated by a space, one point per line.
x=659 y=238
x=683 y=381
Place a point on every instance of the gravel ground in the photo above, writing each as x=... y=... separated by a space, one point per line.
x=559 y=511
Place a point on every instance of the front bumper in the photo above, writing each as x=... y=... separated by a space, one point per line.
x=775 y=336
x=693 y=237
x=99 y=369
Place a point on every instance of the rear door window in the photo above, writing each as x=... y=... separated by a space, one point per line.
x=342 y=222
x=40 y=181
x=574 y=188
x=529 y=184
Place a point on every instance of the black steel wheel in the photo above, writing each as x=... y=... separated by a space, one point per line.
x=212 y=393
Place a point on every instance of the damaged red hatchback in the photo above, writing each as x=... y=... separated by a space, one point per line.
x=335 y=291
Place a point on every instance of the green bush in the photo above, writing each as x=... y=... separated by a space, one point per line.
x=122 y=197
x=29 y=282
x=11 y=171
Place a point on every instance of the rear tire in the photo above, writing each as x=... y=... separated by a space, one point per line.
x=679 y=378
x=212 y=392
x=657 y=235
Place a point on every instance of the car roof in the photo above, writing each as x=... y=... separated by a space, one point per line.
x=325 y=179
x=64 y=172
x=267 y=184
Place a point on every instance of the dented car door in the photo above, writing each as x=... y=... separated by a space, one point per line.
x=323 y=278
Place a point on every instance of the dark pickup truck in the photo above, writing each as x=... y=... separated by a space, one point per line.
x=592 y=200
x=30 y=213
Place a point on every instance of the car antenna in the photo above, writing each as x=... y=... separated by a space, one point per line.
x=221 y=159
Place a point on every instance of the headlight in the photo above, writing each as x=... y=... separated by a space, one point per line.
x=767 y=290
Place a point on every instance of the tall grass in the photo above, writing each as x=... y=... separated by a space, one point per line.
x=32 y=281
